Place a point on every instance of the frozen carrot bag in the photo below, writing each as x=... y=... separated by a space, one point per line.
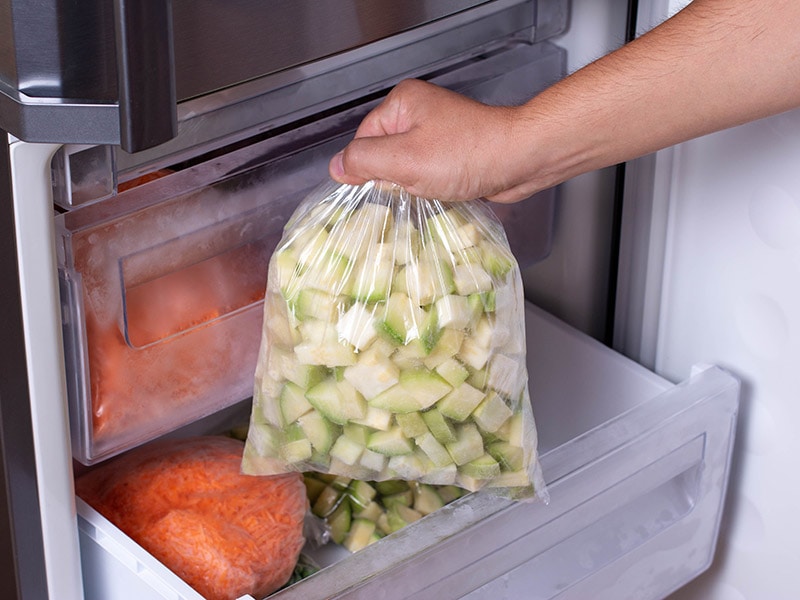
x=393 y=346
x=187 y=503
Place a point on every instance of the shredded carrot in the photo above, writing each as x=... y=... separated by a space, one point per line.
x=187 y=503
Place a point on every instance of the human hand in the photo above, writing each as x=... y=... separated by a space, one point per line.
x=436 y=144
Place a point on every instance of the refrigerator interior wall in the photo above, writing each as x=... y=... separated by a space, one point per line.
x=712 y=230
x=636 y=480
x=573 y=283
x=726 y=292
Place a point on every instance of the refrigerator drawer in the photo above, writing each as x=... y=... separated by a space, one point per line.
x=636 y=467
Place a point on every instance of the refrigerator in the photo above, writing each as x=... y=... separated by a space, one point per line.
x=658 y=307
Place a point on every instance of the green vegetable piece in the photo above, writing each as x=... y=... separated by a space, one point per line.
x=319 y=431
x=401 y=319
x=449 y=344
x=293 y=402
x=434 y=450
x=373 y=281
x=468 y=445
x=426 y=499
x=390 y=486
x=453 y=372
x=412 y=424
x=337 y=400
x=416 y=390
x=314 y=487
x=497 y=260
x=390 y=443
x=372 y=511
x=309 y=303
x=404 y=497
x=439 y=426
x=492 y=412
x=511 y=458
x=483 y=467
x=448 y=493
x=360 y=535
x=362 y=493
x=339 y=522
x=296 y=451
x=399 y=516
x=327 y=501
x=346 y=450
x=460 y=402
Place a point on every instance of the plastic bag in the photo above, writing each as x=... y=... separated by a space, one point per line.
x=393 y=346
x=359 y=513
x=187 y=503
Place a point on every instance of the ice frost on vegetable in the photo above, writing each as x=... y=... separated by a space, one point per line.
x=393 y=346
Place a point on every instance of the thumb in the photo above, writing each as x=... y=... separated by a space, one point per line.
x=337 y=172
x=369 y=158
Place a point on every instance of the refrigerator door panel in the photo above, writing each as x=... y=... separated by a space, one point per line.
x=640 y=480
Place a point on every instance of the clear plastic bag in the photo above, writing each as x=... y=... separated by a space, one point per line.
x=187 y=503
x=393 y=346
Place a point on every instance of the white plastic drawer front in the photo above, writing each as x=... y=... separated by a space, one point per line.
x=636 y=497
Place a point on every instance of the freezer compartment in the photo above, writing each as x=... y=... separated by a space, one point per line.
x=162 y=283
x=636 y=467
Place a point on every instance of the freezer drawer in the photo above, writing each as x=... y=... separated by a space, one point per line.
x=636 y=468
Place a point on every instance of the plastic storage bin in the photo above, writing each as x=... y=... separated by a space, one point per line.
x=636 y=467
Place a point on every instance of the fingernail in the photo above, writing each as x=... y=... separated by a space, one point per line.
x=337 y=165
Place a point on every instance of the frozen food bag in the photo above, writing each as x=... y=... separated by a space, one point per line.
x=393 y=346
x=187 y=503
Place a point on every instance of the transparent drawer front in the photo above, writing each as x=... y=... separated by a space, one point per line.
x=636 y=497
x=163 y=289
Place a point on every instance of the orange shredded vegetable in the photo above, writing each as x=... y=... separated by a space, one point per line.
x=187 y=503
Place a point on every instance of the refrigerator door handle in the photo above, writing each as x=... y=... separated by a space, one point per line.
x=145 y=73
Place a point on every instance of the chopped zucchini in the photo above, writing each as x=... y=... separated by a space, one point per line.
x=390 y=443
x=412 y=424
x=439 y=426
x=293 y=402
x=426 y=499
x=417 y=389
x=492 y=412
x=453 y=372
x=372 y=374
x=339 y=522
x=337 y=400
x=319 y=431
x=360 y=535
x=357 y=326
x=468 y=445
x=459 y=403
x=435 y=450
x=346 y=450
x=327 y=501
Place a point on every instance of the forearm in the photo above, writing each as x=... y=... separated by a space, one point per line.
x=717 y=64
